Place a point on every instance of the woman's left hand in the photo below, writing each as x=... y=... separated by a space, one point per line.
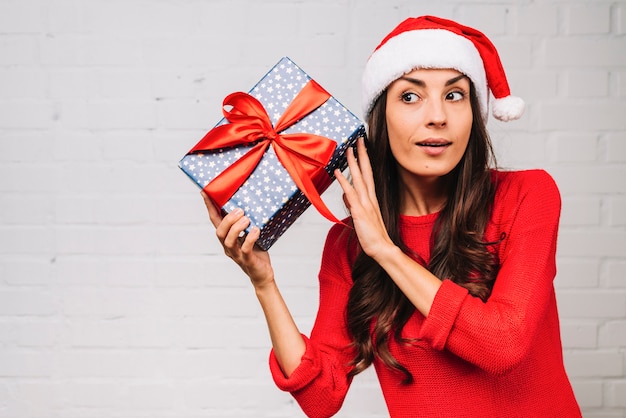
x=360 y=199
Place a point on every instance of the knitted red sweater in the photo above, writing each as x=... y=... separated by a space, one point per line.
x=502 y=358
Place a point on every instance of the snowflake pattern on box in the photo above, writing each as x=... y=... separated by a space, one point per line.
x=269 y=197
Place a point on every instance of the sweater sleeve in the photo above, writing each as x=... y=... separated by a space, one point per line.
x=320 y=383
x=496 y=335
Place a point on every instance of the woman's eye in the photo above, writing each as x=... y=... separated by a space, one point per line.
x=455 y=96
x=409 y=97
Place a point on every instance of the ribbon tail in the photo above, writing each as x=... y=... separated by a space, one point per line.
x=302 y=179
x=226 y=184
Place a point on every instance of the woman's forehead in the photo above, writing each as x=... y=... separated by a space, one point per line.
x=427 y=76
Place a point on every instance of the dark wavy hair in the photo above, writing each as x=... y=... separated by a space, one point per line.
x=377 y=310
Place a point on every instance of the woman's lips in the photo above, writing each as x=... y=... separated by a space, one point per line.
x=434 y=147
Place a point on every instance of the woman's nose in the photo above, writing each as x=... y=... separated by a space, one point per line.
x=435 y=113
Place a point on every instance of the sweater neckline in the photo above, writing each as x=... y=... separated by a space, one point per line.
x=428 y=219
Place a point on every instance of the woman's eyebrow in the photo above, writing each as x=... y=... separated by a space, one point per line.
x=455 y=79
x=415 y=81
x=421 y=83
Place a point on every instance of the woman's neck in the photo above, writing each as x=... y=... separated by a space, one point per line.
x=422 y=196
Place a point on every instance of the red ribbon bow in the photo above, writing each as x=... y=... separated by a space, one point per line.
x=303 y=155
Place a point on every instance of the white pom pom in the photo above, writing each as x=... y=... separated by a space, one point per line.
x=508 y=108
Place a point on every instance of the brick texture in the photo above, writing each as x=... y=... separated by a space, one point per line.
x=115 y=298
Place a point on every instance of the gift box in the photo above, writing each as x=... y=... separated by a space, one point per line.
x=275 y=150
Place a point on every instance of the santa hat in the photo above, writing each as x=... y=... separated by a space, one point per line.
x=432 y=42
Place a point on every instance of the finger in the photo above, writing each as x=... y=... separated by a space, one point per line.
x=353 y=164
x=358 y=183
x=344 y=183
x=223 y=228
x=236 y=230
x=247 y=246
x=362 y=156
x=365 y=166
x=363 y=178
x=350 y=196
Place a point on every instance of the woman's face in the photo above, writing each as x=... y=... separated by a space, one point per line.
x=429 y=119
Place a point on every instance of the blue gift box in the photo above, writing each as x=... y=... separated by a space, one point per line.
x=269 y=196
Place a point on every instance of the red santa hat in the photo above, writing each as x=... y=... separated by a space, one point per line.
x=432 y=42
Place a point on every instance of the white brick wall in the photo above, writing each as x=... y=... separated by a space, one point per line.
x=115 y=299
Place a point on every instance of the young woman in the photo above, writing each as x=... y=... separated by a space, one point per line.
x=444 y=283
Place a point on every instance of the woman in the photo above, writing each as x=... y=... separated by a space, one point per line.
x=444 y=283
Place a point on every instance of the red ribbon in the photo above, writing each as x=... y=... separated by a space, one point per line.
x=303 y=155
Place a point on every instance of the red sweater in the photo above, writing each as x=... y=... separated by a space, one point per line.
x=502 y=358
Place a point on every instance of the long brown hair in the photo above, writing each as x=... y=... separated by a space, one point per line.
x=377 y=310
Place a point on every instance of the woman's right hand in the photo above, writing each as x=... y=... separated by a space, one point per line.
x=239 y=247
